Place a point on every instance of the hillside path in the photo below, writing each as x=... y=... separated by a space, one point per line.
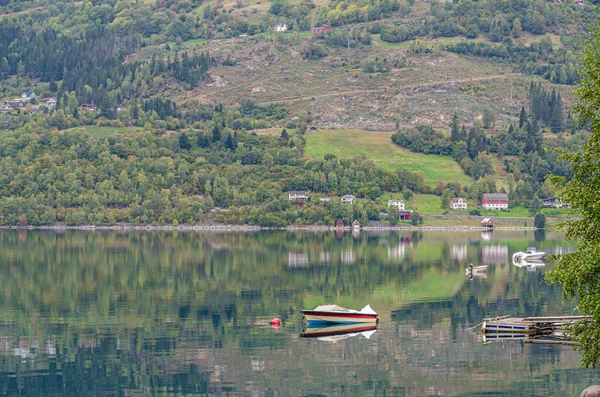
x=403 y=87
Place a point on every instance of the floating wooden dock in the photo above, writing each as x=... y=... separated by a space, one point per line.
x=527 y=325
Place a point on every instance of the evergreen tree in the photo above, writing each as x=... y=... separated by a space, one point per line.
x=496 y=30
x=203 y=141
x=230 y=143
x=522 y=117
x=454 y=130
x=216 y=133
x=184 y=142
x=463 y=133
x=516 y=29
x=557 y=120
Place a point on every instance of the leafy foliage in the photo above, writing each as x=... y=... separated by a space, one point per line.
x=579 y=272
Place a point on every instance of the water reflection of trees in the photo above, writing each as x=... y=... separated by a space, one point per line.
x=166 y=310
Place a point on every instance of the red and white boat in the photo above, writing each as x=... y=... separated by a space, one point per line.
x=338 y=314
x=333 y=332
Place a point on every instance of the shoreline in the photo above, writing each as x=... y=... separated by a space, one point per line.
x=249 y=228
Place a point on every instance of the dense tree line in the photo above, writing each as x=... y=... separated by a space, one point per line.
x=526 y=156
x=340 y=12
x=149 y=176
x=558 y=66
x=546 y=109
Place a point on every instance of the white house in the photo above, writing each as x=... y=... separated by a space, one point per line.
x=298 y=195
x=327 y=198
x=28 y=96
x=280 y=27
x=458 y=203
x=51 y=102
x=396 y=203
x=348 y=199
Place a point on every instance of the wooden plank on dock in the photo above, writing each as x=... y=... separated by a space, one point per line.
x=516 y=325
x=556 y=319
x=528 y=325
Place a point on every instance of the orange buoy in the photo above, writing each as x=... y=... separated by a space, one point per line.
x=276 y=323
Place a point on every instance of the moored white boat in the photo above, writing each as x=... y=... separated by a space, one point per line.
x=530 y=254
x=338 y=314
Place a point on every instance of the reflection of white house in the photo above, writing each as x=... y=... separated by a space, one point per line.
x=495 y=254
x=298 y=195
x=396 y=203
x=399 y=251
x=347 y=257
x=348 y=199
x=280 y=27
x=558 y=250
x=325 y=257
x=458 y=252
x=458 y=203
x=297 y=259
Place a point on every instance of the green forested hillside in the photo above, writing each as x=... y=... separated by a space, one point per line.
x=148 y=111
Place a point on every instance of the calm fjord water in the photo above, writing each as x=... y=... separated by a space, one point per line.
x=186 y=314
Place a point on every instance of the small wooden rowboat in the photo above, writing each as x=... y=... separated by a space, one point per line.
x=338 y=314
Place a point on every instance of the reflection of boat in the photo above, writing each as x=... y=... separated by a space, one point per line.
x=337 y=332
x=476 y=271
x=530 y=265
x=531 y=253
x=338 y=314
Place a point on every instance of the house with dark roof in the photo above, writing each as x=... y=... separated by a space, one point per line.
x=320 y=28
x=494 y=201
x=6 y=108
x=348 y=199
x=297 y=195
x=87 y=106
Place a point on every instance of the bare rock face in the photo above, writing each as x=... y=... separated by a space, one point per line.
x=592 y=391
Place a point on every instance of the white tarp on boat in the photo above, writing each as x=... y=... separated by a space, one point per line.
x=335 y=308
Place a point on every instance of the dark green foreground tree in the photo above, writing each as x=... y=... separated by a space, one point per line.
x=579 y=272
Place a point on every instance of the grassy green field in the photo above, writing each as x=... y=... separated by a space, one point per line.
x=106 y=131
x=194 y=42
x=379 y=147
x=430 y=204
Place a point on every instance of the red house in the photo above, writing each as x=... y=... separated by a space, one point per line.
x=320 y=28
x=494 y=201
x=87 y=106
x=487 y=222
x=339 y=225
x=406 y=216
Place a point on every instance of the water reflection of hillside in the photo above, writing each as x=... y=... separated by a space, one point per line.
x=187 y=313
